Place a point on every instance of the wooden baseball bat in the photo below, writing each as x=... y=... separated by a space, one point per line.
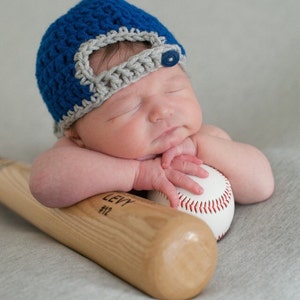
x=163 y=252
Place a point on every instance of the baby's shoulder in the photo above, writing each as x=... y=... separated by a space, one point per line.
x=64 y=142
x=208 y=129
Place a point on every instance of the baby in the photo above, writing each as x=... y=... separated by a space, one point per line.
x=113 y=78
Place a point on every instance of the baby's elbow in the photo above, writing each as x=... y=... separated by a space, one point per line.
x=267 y=182
x=43 y=189
x=258 y=193
x=51 y=192
x=264 y=187
x=39 y=188
x=257 y=190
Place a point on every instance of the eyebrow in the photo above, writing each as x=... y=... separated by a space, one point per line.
x=177 y=76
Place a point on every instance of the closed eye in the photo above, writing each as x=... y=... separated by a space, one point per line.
x=177 y=85
x=128 y=107
x=173 y=91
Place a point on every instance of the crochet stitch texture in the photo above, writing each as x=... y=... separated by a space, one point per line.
x=66 y=81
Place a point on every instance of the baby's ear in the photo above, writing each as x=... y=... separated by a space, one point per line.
x=73 y=135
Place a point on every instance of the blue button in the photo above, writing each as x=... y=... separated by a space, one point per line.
x=170 y=58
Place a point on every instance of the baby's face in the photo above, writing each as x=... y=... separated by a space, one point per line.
x=144 y=119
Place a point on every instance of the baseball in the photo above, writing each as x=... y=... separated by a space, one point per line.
x=215 y=206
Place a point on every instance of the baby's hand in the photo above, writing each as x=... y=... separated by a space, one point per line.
x=189 y=165
x=186 y=149
x=151 y=176
x=183 y=158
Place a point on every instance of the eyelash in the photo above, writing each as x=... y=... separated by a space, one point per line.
x=174 y=91
x=124 y=112
x=133 y=108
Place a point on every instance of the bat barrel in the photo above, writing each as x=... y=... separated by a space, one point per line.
x=163 y=252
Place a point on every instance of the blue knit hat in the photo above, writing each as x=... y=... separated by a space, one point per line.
x=66 y=81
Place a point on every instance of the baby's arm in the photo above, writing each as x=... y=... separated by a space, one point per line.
x=247 y=168
x=66 y=174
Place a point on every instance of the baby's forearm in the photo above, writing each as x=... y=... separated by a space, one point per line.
x=65 y=175
x=246 y=167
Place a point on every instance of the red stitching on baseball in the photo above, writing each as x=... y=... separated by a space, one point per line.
x=220 y=236
x=211 y=206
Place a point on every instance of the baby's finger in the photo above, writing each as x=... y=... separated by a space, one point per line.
x=168 y=156
x=169 y=190
x=188 y=167
x=191 y=158
x=182 y=180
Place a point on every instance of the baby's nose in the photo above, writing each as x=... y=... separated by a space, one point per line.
x=160 y=111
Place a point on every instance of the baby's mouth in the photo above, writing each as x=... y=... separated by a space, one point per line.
x=167 y=132
x=169 y=138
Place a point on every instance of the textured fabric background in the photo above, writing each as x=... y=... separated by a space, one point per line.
x=243 y=58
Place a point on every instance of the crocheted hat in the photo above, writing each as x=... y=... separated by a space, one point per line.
x=66 y=81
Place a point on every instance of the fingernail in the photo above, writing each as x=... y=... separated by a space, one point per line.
x=164 y=165
x=200 y=190
x=174 y=205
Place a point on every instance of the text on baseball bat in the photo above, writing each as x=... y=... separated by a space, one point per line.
x=116 y=200
x=105 y=210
